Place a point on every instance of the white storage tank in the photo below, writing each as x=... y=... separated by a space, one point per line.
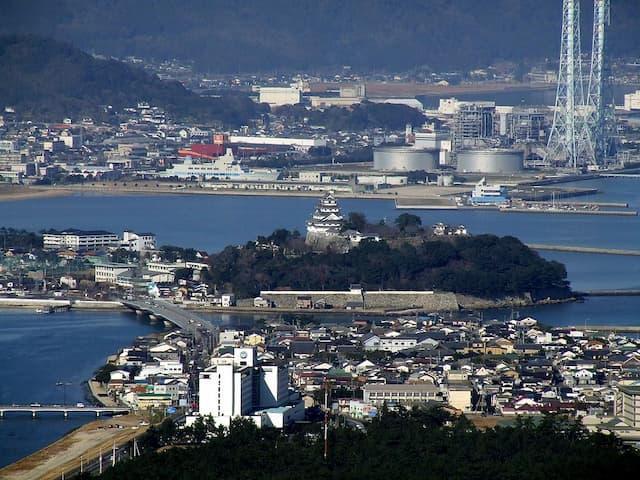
x=405 y=159
x=490 y=160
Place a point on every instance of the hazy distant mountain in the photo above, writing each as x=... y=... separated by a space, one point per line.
x=249 y=35
x=47 y=79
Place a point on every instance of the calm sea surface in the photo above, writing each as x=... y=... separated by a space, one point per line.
x=36 y=351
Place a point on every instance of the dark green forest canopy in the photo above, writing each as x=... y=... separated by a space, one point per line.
x=482 y=265
x=419 y=444
x=48 y=80
x=255 y=35
x=358 y=117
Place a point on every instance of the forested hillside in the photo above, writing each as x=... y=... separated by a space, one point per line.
x=49 y=80
x=419 y=444
x=251 y=35
x=483 y=265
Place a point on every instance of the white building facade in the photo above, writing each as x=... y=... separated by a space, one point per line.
x=632 y=101
x=80 y=239
x=277 y=96
x=242 y=386
x=138 y=242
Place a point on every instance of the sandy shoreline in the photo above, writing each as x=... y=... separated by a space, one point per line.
x=14 y=193
x=412 y=192
x=64 y=454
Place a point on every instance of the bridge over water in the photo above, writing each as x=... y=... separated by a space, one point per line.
x=184 y=319
x=64 y=409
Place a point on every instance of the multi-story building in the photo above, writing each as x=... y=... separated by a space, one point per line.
x=242 y=386
x=138 y=242
x=111 y=272
x=401 y=394
x=628 y=404
x=75 y=239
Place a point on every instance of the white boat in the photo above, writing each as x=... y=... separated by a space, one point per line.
x=45 y=310
x=225 y=167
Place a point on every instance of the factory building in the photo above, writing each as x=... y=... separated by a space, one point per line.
x=278 y=96
x=520 y=124
x=405 y=159
x=434 y=140
x=632 y=101
x=473 y=122
x=297 y=143
x=490 y=160
x=348 y=95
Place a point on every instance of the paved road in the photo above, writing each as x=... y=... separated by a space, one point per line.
x=184 y=319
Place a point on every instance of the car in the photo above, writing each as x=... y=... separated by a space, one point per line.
x=35 y=405
x=80 y=405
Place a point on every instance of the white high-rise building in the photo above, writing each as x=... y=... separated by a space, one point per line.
x=242 y=386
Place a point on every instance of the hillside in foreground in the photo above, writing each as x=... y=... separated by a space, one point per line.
x=419 y=444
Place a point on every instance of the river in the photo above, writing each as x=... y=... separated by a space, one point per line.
x=40 y=350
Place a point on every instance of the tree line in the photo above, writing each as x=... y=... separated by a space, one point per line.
x=409 y=444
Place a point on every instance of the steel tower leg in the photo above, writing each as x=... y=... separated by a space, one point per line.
x=566 y=144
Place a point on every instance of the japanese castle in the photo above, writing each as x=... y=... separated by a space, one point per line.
x=327 y=220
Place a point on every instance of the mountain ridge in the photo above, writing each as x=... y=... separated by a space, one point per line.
x=254 y=35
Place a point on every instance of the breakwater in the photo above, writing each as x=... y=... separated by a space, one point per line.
x=579 y=249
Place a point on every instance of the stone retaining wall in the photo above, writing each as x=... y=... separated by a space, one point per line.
x=375 y=300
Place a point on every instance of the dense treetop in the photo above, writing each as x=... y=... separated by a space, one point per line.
x=252 y=35
x=50 y=80
x=418 y=444
x=483 y=265
x=356 y=118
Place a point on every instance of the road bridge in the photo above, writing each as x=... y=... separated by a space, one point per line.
x=184 y=319
x=34 y=409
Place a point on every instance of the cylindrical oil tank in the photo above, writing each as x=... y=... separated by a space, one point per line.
x=405 y=159
x=490 y=160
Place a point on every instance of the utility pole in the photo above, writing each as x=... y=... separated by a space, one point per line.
x=113 y=455
x=81 y=464
x=326 y=419
x=100 y=462
x=136 y=450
